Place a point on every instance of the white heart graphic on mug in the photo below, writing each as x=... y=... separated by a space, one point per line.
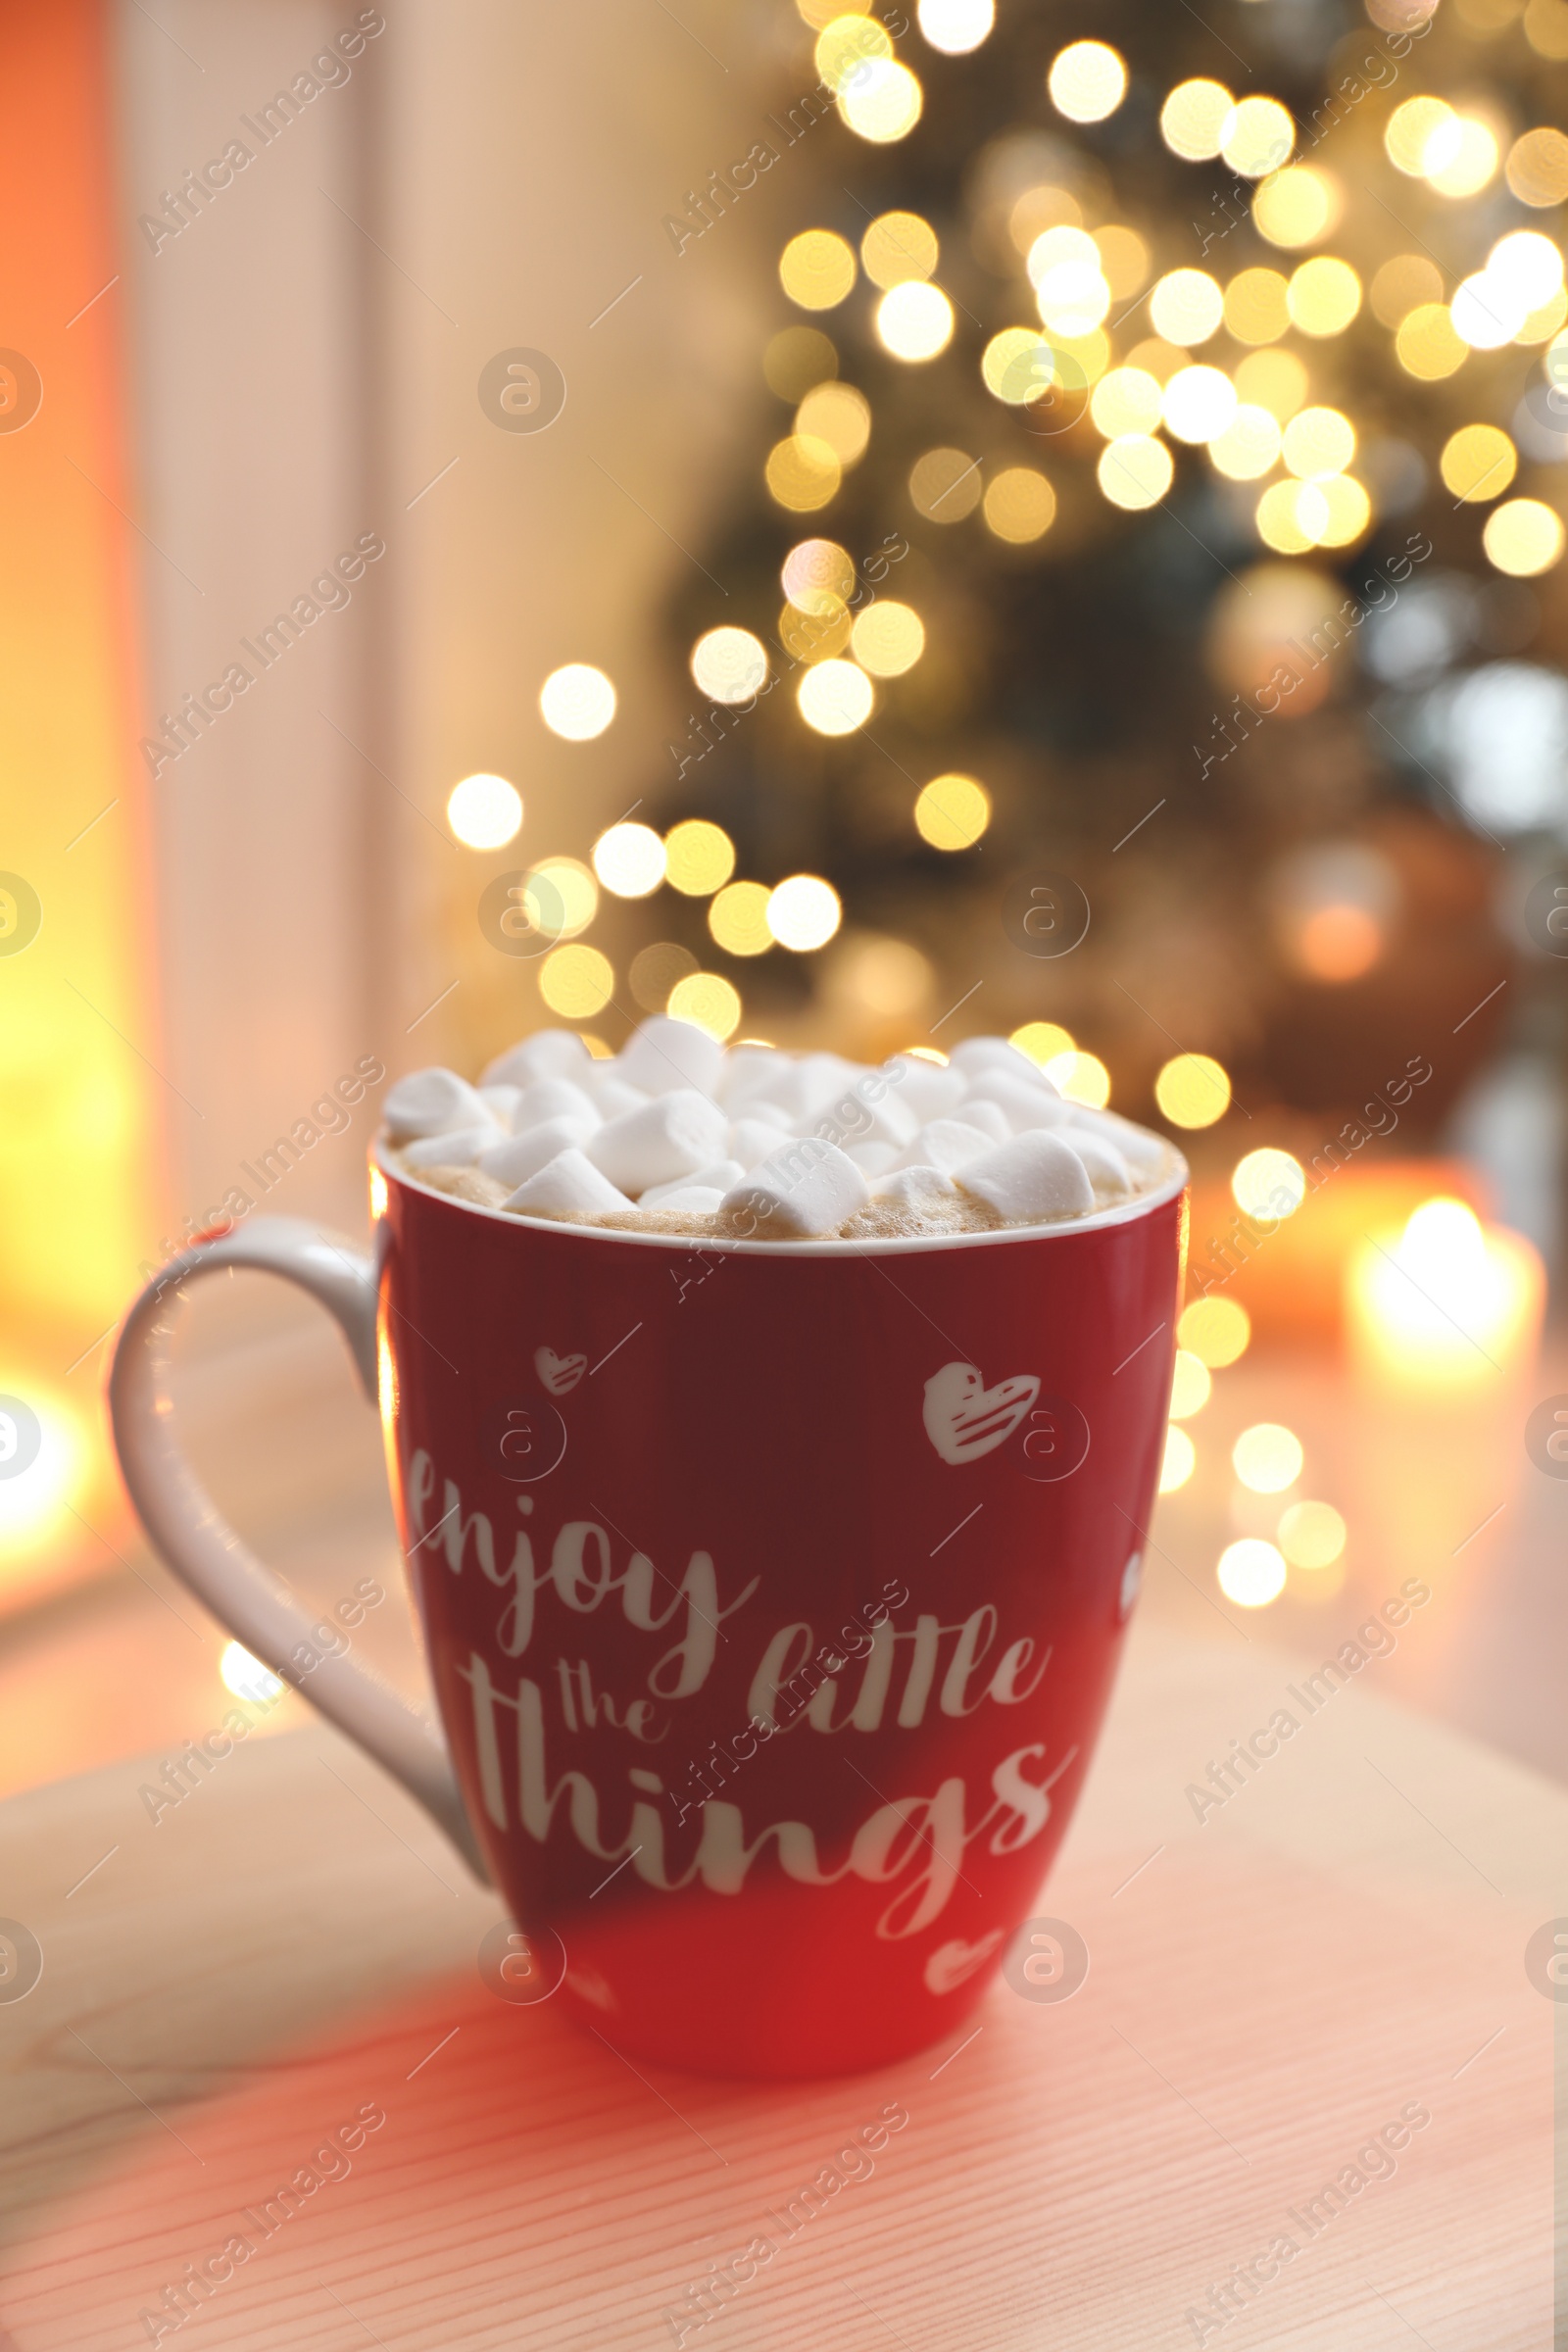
x=953 y=1963
x=558 y=1373
x=965 y=1420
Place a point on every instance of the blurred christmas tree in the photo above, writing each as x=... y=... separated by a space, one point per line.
x=1166 y=446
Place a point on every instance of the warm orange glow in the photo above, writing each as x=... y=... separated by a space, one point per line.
x=75 y=1170
x=1338 y=943
x=1449 y=1306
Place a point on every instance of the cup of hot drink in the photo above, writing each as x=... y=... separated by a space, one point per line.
x=771 y=1441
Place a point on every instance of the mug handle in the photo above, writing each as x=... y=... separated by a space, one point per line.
x=196 y=1540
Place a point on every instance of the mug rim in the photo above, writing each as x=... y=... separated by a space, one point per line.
x=901 y=1245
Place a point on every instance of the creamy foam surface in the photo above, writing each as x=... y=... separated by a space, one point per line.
x=675 y=1134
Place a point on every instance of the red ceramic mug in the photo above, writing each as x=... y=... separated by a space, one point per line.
x=773 y=1592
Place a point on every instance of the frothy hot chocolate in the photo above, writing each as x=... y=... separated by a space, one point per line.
x=676 y=1134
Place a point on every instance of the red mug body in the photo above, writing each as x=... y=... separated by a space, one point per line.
x=772 y=1595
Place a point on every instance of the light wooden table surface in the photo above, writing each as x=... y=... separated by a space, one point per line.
x=1343 y=1941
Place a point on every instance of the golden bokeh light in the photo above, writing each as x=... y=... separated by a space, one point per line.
x=1478 y=463
x=245 y=1675
x=817 y=270
x=577 y=701
x=1080 y=1078
x=1191 y=1384
x=1276 y=380
x=881 y=100
x=1135 y=470
x=484 y=812
x=1258 y=137
x=1472 y=163
x=1196 y=120
x=1529 y=265
x=803 y=473
x=1542 y=325
x=839 y=415
x=819 y=14
x=1268 y=1184
x=1038 y=208
x=1157 y=358
x=1199 y=403
x=1323 y=296
x=729 y=665
x=1057 y=246
x=1193 y=1089
x=1186 y=307
x=1087 y=81
x=914 y=320
x=817 y=635
x=1216 y=1330
x=577 y=981
x=699 y=858
x=1289 y=516
x=738 y=920
x=1123 y=258
x=1177 y=1461
x=1043 y=1041
x=1126 y=400
x=945 y=485
x=1318 y=442
x=1248 y=445
x=955 y=26
x=629 y=860
x=797 y=359
x=1070 y=288
x=816 y=568
x=1080 y=359
x=1536 y=169
x=1250 y=1573
x=1422 y=136
x=844 y=44
x=1255 y=306
x=887 y=638
x=1523 y=537
x=804 y=912
x=886 y=976
x=899 y=246
x=709 y=1002
x=654 y=971
x=1311 y=1535
x=1020 y=506
x=1268 y=1457
x=952 y=813
x=1403 y=285
x=1486 y=312
x=1545 y=27
x=1017 y=365
x=1426 y=345
x=835 y=698
x=1297 y=206
x=1347 y=510
x=561 y=897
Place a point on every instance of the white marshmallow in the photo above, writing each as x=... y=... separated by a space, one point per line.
x=977 y=1053
x=931 y=1090
x=947 y=1143
x=1108 y=1170
x=1135 y=1143
x=808 y=1188
x=552 y=1099
x=872 y=1159
x=744 y=1065
x=521 y=1156
x=697 y=1200
x=1035 y=1175
x=459 y=1148
x=871 y=1111
x=716 y=1179
x=613 y=1096
x=915 y=1188
x=664 y=1056
x=1026 y=1101
x=431 y=1102
x=548 y=1054
x=989 y=1118
x=670 y=1137
x=501 y=1101
x=752 y=1139
x=567 y=1186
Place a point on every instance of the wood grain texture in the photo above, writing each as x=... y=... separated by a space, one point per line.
x=1267 y=1991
